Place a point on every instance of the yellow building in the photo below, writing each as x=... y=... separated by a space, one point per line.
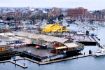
x=54 y=28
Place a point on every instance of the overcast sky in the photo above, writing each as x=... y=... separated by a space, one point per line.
x=89 y=4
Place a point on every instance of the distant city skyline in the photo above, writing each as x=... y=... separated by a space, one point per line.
x=88 y=4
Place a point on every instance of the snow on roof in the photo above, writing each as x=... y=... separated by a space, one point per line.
x=70 y=45
x=40 y=36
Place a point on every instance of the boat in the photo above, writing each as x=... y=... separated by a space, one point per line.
x=100 y=52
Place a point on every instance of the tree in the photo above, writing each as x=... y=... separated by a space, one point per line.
x=60 y=17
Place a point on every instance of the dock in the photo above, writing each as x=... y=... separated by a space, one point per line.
x=58 y=60
x=84 y=39
x=18 y=64
x=97 y=41
x=46 y=62
x=4 y=61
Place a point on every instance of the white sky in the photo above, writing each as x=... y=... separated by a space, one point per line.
x=89 y=4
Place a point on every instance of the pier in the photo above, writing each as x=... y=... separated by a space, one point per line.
x=97 y=41
x=69 y=58
x=4 y=61
x=18 y=64
x=58 y=60
x=15 y=62
x=84 y=39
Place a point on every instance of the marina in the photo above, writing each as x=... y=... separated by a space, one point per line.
x=50 y=39
x=42 y=53
x=64 y=60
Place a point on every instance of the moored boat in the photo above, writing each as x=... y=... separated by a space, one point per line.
x=100 y=52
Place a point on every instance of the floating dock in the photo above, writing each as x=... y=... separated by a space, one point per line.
x=18 y=64
x=15 y=62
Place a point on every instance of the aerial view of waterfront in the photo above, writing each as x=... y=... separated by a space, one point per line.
x=52 y=35
x=87 y=63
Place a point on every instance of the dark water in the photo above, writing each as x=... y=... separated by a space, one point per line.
x=87 y=63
